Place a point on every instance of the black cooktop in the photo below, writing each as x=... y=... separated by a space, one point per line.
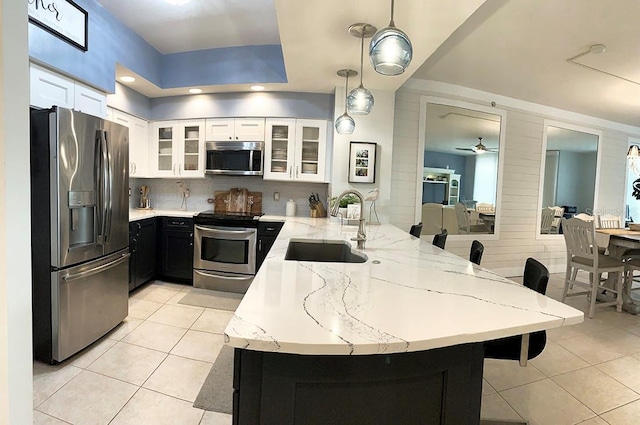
x=227 y=218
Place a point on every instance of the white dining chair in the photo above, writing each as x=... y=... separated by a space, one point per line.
x=464 y=222
x=546 y=222
x=584 y=217
x=582 y=254
x=609 y=221
x=557 y=216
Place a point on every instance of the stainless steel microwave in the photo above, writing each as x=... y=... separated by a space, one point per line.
x=235 y=158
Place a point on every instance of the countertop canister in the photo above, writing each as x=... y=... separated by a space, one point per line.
x=290 y=210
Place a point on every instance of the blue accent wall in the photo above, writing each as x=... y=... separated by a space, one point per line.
x=110 y=41
x=231 y=65
x=462 y=164
x=264 y=104
x=445 y=160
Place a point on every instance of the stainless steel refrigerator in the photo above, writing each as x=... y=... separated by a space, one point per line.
x=79 y=230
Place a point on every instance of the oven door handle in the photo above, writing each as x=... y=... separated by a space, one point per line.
x=223 y=276
x=225 y=231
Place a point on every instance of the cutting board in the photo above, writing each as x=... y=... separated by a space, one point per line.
x=237 y=200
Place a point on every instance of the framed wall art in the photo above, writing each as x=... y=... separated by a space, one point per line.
x=62 y=18
x=362 y=162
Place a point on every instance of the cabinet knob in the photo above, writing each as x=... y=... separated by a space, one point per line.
x=230 y=138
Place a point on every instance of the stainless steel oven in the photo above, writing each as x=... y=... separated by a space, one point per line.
x=224 y=257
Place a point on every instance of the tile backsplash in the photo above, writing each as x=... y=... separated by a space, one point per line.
x=167 y=194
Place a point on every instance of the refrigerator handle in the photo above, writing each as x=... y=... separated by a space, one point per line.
x=96 y=270
x=99 y=178
x=108 y=186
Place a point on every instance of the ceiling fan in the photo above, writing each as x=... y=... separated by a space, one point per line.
x=479 y=148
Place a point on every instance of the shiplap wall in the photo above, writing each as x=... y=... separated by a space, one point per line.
x=517 y=232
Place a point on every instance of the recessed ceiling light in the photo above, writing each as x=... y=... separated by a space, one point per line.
x=257 y=88
x=178 y=2
x=127 y=79
x=195 y=91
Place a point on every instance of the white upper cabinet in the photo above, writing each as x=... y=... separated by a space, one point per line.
x=49 y=88
x=138 y=141
x=177 y=149
x=295 y=150
x=90 y=101
x=238 y=129
x=279 y=149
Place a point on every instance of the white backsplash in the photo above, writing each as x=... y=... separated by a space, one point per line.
x=166 y=193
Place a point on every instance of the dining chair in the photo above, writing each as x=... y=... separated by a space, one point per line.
x=416 y=229
x=440 y=239
x=485 y=207
x=608 y=221
x=630 y=256
x=475 y=254
x=558 y=213
x=547 y=220
x=582 y=254
x=464 y=224
x=584 y=217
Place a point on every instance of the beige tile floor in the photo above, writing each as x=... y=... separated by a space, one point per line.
x=150 y=369
x=147 y=371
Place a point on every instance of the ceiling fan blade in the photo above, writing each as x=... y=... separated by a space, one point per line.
x=465 y=149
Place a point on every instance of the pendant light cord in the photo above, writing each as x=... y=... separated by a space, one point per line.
x=346 y=92
x=362 y=52
x=392 y=24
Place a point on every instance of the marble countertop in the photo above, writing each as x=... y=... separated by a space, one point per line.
x=407 y=296
x=139 y=214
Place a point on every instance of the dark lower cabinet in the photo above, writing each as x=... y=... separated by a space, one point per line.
x=441 y=386
x=267 y=234
x=176 y=249
x=142 y=246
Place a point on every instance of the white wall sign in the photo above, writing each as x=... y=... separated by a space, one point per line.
x=62 y=18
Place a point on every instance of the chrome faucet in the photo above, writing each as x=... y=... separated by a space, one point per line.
x=361 y=236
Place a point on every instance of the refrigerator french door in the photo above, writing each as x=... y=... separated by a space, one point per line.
x=79 y=216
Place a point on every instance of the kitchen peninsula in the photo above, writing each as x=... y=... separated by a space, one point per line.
x=396 y=339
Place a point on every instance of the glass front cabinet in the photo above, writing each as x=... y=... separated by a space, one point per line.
x=177 y=149
x=295 y=150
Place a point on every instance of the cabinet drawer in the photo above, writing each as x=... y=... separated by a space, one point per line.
x=269 y=228
x=177 y=223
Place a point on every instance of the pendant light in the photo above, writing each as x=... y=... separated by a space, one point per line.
x=390 y=49
x=344 y=123
x=360 y=100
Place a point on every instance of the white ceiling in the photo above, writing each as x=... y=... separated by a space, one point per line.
x=199 y=24
x=313 y=34
x=515 y=48
x=522 y=51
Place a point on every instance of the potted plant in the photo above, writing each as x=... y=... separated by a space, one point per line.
x=346 y=200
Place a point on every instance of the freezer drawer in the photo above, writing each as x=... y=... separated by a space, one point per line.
x=88 y=301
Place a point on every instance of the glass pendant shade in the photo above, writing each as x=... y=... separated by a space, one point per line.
x=390 y=50
x=634 y=151
x=345 y=124
x=360 y=101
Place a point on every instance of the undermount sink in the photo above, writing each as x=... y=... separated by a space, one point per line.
x=322 y=251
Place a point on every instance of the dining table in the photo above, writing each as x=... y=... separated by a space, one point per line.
x=621 y=240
